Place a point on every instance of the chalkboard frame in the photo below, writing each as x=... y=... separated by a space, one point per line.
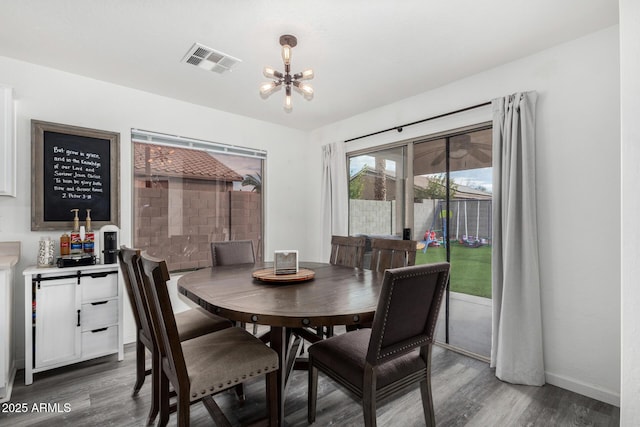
x=38 y=129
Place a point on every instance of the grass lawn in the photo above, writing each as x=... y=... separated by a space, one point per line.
x=470 y=267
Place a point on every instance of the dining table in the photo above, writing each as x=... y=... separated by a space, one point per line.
x=295 y=307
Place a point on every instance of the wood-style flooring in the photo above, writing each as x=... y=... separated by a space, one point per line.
x=466 y=393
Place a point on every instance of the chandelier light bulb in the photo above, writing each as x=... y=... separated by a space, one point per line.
x=267 y=87
x=306 y=89
x=269 y=72
x=307 y=74
x=287 y=103
x=286 y=54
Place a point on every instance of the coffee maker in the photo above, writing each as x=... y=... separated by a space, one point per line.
x=109 y=242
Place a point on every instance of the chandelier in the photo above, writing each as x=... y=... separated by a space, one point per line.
x=286 y=79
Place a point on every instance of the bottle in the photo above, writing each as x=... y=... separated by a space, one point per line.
x=76 y=242
x=88 y=244
x=64 y=244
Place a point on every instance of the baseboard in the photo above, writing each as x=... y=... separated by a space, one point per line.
x=589 y=390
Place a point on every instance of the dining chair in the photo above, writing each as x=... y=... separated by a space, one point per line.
x=392 y=253
x=190 y=324
x=376 y=363
x=347 y=251
x=206 y=365
x=232 y=252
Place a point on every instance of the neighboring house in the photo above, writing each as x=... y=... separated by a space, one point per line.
x=174 y=162
x=191 y=183
x=368 y=176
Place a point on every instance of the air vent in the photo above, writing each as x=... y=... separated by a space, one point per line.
x=209 y=59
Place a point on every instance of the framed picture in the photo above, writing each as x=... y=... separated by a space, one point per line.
x=73 y=168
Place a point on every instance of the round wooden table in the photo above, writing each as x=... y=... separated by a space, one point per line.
x=336 y=295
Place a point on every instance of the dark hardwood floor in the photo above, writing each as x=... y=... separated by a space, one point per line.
x=466 y=393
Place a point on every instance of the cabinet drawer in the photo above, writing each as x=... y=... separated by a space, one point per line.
x=99 y=342
x=100 y=287
x=99 y=314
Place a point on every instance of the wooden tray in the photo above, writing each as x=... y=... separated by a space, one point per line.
x=267 y=275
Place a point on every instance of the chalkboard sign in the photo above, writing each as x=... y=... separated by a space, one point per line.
x=73 y=168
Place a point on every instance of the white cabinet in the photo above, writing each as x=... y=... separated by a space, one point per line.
x=57 y=322
x=7 y=143
x=7 y=367
x=9 y=257
x=72 y=314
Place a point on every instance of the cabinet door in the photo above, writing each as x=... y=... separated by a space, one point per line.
x=6 y=344
x=7 y=143
x=57 y=322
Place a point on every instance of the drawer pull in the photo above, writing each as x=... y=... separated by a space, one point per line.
x=99 y=330
x=96 y=275
x=99 y=302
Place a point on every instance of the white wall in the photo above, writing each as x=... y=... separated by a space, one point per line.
x=54 y=96
x=577 y=158
x=630 y=130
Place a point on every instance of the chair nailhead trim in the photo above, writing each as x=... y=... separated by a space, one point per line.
x=386 y=313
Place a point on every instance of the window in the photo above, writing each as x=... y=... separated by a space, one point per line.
x=188 y=193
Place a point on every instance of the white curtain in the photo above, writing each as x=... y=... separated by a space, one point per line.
x=516 y=347
x=334 y=196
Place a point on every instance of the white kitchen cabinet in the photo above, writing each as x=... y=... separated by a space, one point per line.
x=7 y=368
x=9 y=257
x=71 y=315
x=7 y=143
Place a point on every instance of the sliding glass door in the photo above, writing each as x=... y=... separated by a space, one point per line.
x=440 y=188
x=452 y=213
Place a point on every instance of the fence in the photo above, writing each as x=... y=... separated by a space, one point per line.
x=178 y=224
x=467 y=217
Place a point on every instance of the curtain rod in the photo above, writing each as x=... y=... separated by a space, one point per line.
x=399 y=128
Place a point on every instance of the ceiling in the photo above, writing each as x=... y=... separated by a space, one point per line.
x=365 y=53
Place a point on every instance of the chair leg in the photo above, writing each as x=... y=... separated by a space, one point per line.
x=164 y=399
x=425 y=388
x=427 y=403
x=312 y=395
x=183 y=408
x=330 y=331
x=140 y=367
x=155 y=387
x=272 y=398
x=240 y=392
x=369 y=397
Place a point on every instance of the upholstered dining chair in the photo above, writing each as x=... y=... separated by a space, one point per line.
x=206 y=365
x=232 y=252
x=376 y=363
x=190 y=324
x=392 y=253
x=347 y=251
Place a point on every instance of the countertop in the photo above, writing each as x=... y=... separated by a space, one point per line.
x=9 y=254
